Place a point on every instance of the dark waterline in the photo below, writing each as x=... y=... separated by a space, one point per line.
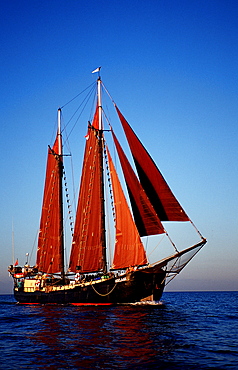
x=195 y=330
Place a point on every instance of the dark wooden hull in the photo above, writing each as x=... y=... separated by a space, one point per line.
x=130 y=288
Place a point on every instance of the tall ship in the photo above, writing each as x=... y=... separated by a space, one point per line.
x=105 y=266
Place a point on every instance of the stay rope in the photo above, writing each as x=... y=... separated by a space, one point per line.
x=77 y=96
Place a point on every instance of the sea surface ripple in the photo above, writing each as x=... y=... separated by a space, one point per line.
x=194 y=330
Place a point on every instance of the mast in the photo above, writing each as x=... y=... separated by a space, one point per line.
x=60 y=168
x=101 y=149
x=13 y=245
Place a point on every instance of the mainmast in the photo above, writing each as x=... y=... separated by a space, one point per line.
x=101 y=149
x=60 y=168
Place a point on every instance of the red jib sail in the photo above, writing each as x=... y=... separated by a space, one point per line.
x=87 y=242
x=146 y=219
x=164 y=202
x=49 y=241
x=129 y=250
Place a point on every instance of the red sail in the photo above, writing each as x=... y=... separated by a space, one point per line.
x=164 y=202
x=87 y=241
x=146 y=219
x=129 y=250
x=49 y=241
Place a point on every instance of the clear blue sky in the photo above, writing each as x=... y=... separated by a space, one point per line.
x=171 y=66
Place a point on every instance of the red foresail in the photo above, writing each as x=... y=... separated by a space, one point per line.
x=129 y=250
x=146 y=219
x=49 y=241
x=87 y=240
x=164 y=202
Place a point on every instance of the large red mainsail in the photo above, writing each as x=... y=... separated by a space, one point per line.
x=87 y=240
x=129 y=250
x=146 y=219
x=49 y=241
x=164 y=202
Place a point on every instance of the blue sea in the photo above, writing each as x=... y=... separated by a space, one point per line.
x=195 y=330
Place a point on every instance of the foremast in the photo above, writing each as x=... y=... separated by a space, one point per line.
x=101 y=156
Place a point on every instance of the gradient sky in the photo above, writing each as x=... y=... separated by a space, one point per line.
x=172 y=68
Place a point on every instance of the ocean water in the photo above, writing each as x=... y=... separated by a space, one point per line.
x=185 y=331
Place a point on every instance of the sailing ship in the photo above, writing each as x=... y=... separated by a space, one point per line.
x=90 y=277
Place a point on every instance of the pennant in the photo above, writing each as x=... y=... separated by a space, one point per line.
x=96 y=70
x=16 y=263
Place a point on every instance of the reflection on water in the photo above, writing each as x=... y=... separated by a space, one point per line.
x=191 y=331
x=116 y=337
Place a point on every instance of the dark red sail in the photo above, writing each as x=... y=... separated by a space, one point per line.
x=49 y=241
x=164 y=202
x=146 y=219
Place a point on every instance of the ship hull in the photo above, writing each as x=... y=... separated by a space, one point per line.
x=129 y=288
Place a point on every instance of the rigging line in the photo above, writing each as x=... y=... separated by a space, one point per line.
x=167 y=275
x=108 y=93
x=86 y=99
x=104 y=295
x=67 y=144
x=174 y=264
x=34 y=244
x=107 y=195
x=94 y=83
x=75 y=191
x=196 y=229
x=182 y=265
x=108 y=111
x=157 y=245
x=66 y=137
x=66 y=263
x=107 y=119
x=108 y=226
x=93 y=105
x=171 y=278
x=110 y=200
x=175 y=273
x=69 y=206
x=146 y=243
x=171 y=241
